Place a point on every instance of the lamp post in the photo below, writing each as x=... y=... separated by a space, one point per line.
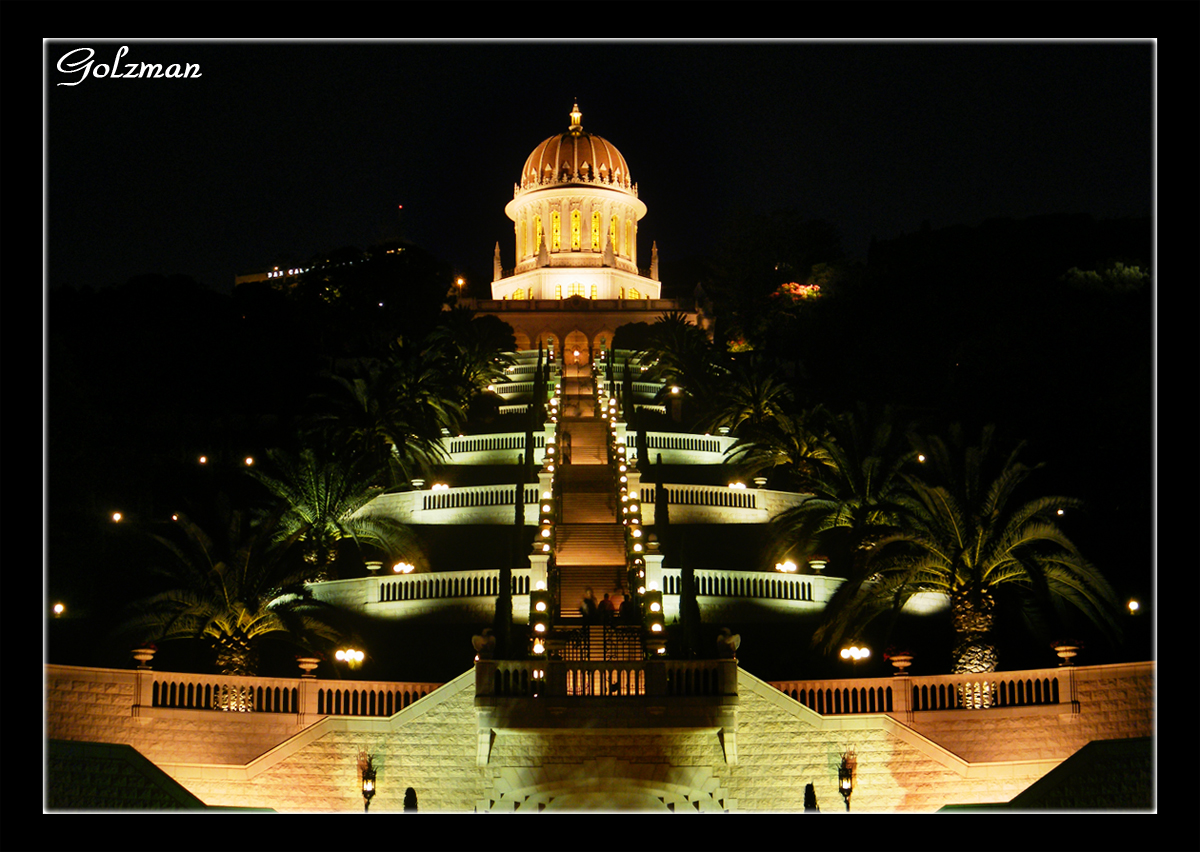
x=846 y=777
x=368 y=785
x=856 y=653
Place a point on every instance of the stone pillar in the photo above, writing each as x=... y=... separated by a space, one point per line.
x=654 y=570
x=143 y=690
x=538 y=569
x=307 y=699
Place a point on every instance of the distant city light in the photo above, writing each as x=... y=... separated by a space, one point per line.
x=116 y=516
x=59 y=609
x=249 y=461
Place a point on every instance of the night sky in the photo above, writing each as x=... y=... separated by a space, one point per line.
x=282 y=150
x=279 y=151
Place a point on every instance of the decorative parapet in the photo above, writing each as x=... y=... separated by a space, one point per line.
x=158 y=692
x=532 y=184
x=478 y=504
x=902 y=695
x=584 y=304
x=499 y=448
x=809 y=588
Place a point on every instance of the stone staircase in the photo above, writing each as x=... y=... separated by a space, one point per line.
x=589 y=556
x=590 y=540
x=588 y=442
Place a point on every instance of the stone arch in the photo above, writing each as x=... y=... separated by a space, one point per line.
x=574 y=342
x=522 y=340
x=549 y=340
x=602 y=339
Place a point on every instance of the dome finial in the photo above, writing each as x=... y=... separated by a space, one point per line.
x=576 y=120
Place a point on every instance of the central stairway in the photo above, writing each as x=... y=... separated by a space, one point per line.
x=590 y=539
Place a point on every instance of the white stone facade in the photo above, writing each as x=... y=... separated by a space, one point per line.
x=296 y=763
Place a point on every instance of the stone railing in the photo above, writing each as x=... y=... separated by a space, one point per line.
x=678 y=447
x=478 y=504
x=703 y=495
x=815 y=588
x=397 y=595
x=448 y=584
x=475 y=496
x=904 y=695
x=510 y=389
x=500 y=448
x=611 y=679
x=299 y=695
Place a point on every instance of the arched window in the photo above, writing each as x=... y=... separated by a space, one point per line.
x=595 y=230
x=522 y=237
x=558 y=291
x=518 y=293
x=537 y=227
x=629 y=237
x=634 y=294
x=555 y=231
x=614 y=234
x=576 y=227
x=595 y=292
x=575 y=289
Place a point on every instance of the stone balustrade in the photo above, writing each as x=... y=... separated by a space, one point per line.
x=463 y=448
x=812 y=588
x=399 y=595
x=903 y=695
x=448 y=584
x=477 y=504
x=300 y=695
x=608 y=679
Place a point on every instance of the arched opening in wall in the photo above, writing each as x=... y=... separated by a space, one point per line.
x=549 y=341
x=602 y=339
x=522 y=340
x=576 y=349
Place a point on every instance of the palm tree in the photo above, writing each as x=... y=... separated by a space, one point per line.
x=966 y=536
x=232 y=595
x=750 y=397
x=858 y=496
x=790 y=444
x=855 y=481
x=396 y=413
x=324 y=502
x=684 y=358
x=472 y=349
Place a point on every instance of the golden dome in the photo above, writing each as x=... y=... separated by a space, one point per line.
x=576 y=157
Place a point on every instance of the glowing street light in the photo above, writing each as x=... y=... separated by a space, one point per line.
x=856 y=653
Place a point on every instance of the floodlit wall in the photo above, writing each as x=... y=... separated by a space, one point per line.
x=305 y=762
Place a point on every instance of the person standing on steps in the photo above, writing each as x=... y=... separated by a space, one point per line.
x=607 y=610
x=587 y=607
